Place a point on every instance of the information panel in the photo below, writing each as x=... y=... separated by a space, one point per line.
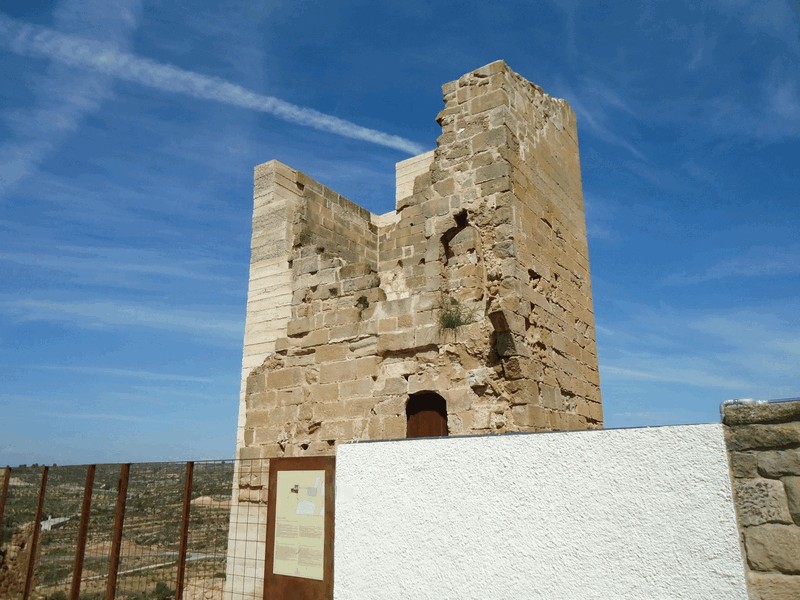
x=299 y=524
x=299 y=552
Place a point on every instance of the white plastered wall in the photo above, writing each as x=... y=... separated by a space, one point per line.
x=631 y=513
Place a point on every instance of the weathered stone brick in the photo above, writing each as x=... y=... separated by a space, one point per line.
x=366 y=367
x=770 y=586
x=488 y=101
x=283 y=378
x=395 y=342
x=335 y=372
x=357 y=388
x=792 y=487
x=331 y=352
x=744 y=464
x=772 y=412
x=752 y=437
x=290 y=396
x=344 y=332
x=297 y=327
x=529 y=415
x=394 y=427
x=761 y=501
x=355 y=270
x=315 y=338
x=390 y=405
x=778 y=463
x=773 y=547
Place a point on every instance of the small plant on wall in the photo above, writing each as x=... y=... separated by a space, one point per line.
x=453 y=315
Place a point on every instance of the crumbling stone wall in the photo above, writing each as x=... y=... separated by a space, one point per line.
x=346 y=309
x=14 y=559
x=495 y=227
x=764 y=445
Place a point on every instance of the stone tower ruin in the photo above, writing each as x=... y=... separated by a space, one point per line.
x=471 y=301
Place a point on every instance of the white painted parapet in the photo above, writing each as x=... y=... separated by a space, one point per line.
x=633 y=513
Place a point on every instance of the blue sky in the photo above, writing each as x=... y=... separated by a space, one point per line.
x=128 y=133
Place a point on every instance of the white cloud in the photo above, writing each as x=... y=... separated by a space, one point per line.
x=84 y=53
x=778 y=19
x=722 y=353
x=596 y=105
x=756 y=262
x=108 y=314
x=600 y=216
x=115 y=372
x=118 y=266
x=100 y=417
x=671 y=370
x=62 y=98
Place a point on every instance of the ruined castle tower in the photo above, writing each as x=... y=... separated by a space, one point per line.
x=467 y=310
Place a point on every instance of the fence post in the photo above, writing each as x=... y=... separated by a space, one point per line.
x=3 y=494
x=119 y=520
x=83 y=529
x=187 y=498
x=37 y=525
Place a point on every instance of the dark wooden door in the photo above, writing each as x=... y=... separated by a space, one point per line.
x=426 y=416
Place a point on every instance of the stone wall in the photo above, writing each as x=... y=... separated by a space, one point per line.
x=295 y=219
x=493 y=229
x=407 y=171
x=764 y=445
x=476 y=288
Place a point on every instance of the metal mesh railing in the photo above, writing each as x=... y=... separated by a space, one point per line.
x=164 y=537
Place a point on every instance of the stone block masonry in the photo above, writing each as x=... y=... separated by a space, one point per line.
x=476 y=289
x=764 y=449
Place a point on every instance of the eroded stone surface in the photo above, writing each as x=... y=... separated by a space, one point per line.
x=761 y=501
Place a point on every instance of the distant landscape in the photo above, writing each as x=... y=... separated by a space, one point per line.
x=151 y=532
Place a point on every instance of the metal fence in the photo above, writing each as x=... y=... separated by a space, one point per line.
x=137 y=531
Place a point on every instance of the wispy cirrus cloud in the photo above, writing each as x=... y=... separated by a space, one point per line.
x=749 y=351
x=62 y=98
x=600 y=216
x=656 y=369
x=136 y=374
x=601 y=110
x=76 y=51
x=779 y=19
x=769 y=112
x=118 y=266
x=99 y=417
x=108 y=314
x=756 y=262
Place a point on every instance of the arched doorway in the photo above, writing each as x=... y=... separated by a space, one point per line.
x=426 y=415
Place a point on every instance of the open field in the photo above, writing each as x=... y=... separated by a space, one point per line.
x=150 y=537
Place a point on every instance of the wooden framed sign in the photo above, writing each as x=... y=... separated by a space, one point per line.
x=299 y=553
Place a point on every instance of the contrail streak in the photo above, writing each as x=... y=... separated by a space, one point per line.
x=27 y=39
